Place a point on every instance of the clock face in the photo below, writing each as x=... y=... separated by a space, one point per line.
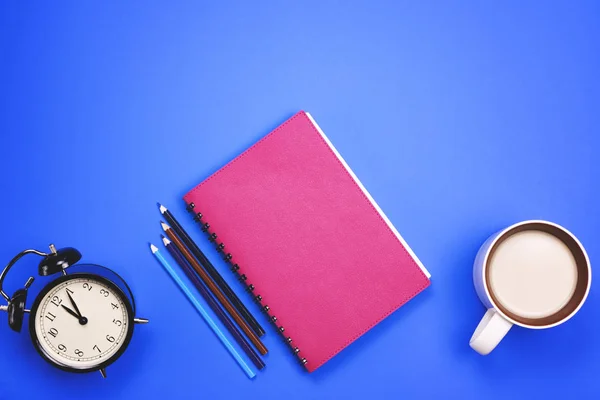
x=81 y=322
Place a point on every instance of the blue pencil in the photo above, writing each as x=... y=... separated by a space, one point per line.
x=203 y=313
x=197 y=282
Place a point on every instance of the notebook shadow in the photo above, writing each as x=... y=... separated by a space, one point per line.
x=361 y=345
x=207 y=169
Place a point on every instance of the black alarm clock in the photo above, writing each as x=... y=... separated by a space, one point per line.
x=81 y=321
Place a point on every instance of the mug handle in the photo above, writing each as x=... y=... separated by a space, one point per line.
x=490 y=331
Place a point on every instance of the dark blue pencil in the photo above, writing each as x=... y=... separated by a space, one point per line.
x=248 y=349
x=211 y=270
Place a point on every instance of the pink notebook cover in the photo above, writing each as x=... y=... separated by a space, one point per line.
x=309 y=237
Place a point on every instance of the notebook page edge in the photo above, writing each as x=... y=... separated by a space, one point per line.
x=368 y=195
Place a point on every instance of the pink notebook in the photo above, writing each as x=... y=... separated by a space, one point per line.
x=318 y=252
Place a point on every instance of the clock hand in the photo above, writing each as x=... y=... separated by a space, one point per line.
x=82 y=320
x=74 y=305
x=73 y=313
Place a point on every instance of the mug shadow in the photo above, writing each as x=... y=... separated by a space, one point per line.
x=536 y=352
x=467 y=309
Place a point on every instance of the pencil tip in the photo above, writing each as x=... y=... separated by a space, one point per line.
x=166 y=241
x=164 y=226
x=162 y=208
x=153 y=248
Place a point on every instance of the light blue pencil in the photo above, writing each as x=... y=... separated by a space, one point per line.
x=206 y=317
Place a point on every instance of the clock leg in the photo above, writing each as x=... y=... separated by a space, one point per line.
x=103 y=372
x=140 y=321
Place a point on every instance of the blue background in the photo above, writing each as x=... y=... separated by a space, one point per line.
x=460 y=119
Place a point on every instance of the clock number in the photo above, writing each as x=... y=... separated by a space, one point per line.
x=50 y=316
x=117 y=322
x=53 y=332
x=87 y=286
x=70 y=291
x=114 y=306
x=110 y=338
x=104 y=293
x=78 y=352
x=56 y=301
x=97 y=348
x=62 y=347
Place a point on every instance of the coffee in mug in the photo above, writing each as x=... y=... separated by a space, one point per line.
x=535 y=274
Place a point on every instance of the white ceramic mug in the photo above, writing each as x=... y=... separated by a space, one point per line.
x=534 y=274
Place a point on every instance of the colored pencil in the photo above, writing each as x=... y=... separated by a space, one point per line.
x=214 y=274
x=203 y=313
x=215 y=289
x=189 y=272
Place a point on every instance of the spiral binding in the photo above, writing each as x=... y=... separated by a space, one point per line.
x=212 y=237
